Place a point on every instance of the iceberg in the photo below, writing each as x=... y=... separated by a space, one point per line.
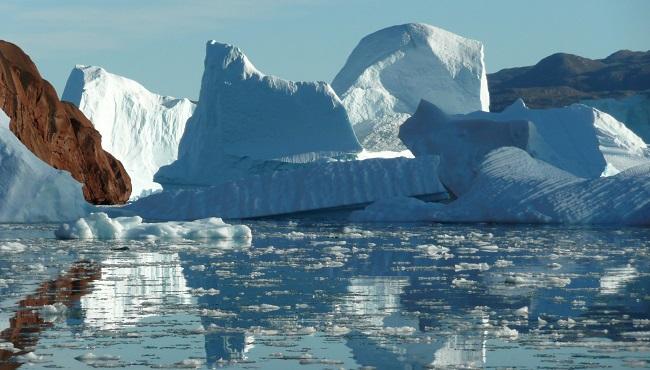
x=140 y=128
x=31 y=190
x=313 y=186
x=247 y=122
x=510 y=186
x=100 y=226
x=391 y=70
x=577 y=139
x=633 y=110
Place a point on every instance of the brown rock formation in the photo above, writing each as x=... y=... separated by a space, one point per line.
x=57 y=132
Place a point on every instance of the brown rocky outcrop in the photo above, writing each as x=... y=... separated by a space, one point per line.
x=57 y=132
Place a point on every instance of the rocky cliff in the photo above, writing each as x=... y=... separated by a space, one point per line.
x=57 y=132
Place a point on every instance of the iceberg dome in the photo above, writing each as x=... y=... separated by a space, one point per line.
x=391 y=70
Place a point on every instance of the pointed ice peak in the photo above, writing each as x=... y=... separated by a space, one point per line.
x=229 y=58
x=140 y=128
x=391 y=70
x=517 y=105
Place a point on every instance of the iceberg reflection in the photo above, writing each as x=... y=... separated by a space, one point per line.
x=134 y=286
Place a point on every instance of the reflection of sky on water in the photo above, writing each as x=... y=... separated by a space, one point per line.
x=324 y=295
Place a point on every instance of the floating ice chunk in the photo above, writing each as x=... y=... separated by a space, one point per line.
x=189 y=363
x=100 y=226
x=337 y=330
x=523 y=311
x=503 y=263
x=216 y=313
x=261 y=308
x=568 y=323
x=462 y=282
x=401 y=331
x=471 y=266
x=31 y=358
x=506 y=332
x=203 y=291
x=435 y=251
x=94 y=360
x=12 y=247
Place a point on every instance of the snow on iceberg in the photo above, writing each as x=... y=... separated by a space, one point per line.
x=31 y=190
x=140 y=128
x=313 y=186
x=391 y=70
x=578 y=139
x=245 y=118
x=512 y=187
x=633 y=110
x=100 y=226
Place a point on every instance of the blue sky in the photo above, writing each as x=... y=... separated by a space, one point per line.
x=160 y=43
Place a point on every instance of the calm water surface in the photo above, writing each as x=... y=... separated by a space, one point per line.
x=312 y=295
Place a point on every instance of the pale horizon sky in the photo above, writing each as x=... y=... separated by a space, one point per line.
x=161 y=43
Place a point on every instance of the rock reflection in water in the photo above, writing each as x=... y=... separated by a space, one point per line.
x=53 y=300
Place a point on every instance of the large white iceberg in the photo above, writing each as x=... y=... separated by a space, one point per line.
x=313 y=186
x=633 y=110
x=140 y=128
x=245 y=118
x=391 y=70
x=31 y=190
x=100 y=226
x=511 y=186
x=578 y=139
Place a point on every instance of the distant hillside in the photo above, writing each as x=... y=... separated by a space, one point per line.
x=562 y=79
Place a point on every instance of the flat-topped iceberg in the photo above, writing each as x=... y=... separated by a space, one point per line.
x=245 y=118
x=100 y=226
x=313 y=186
x=140 y=128
x=391 y=70
x=31 y=190
x=510 y=186
x=577 y=139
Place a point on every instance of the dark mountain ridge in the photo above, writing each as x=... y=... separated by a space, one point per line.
x=561 y=79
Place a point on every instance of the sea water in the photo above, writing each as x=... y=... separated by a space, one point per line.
x=311 y=295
